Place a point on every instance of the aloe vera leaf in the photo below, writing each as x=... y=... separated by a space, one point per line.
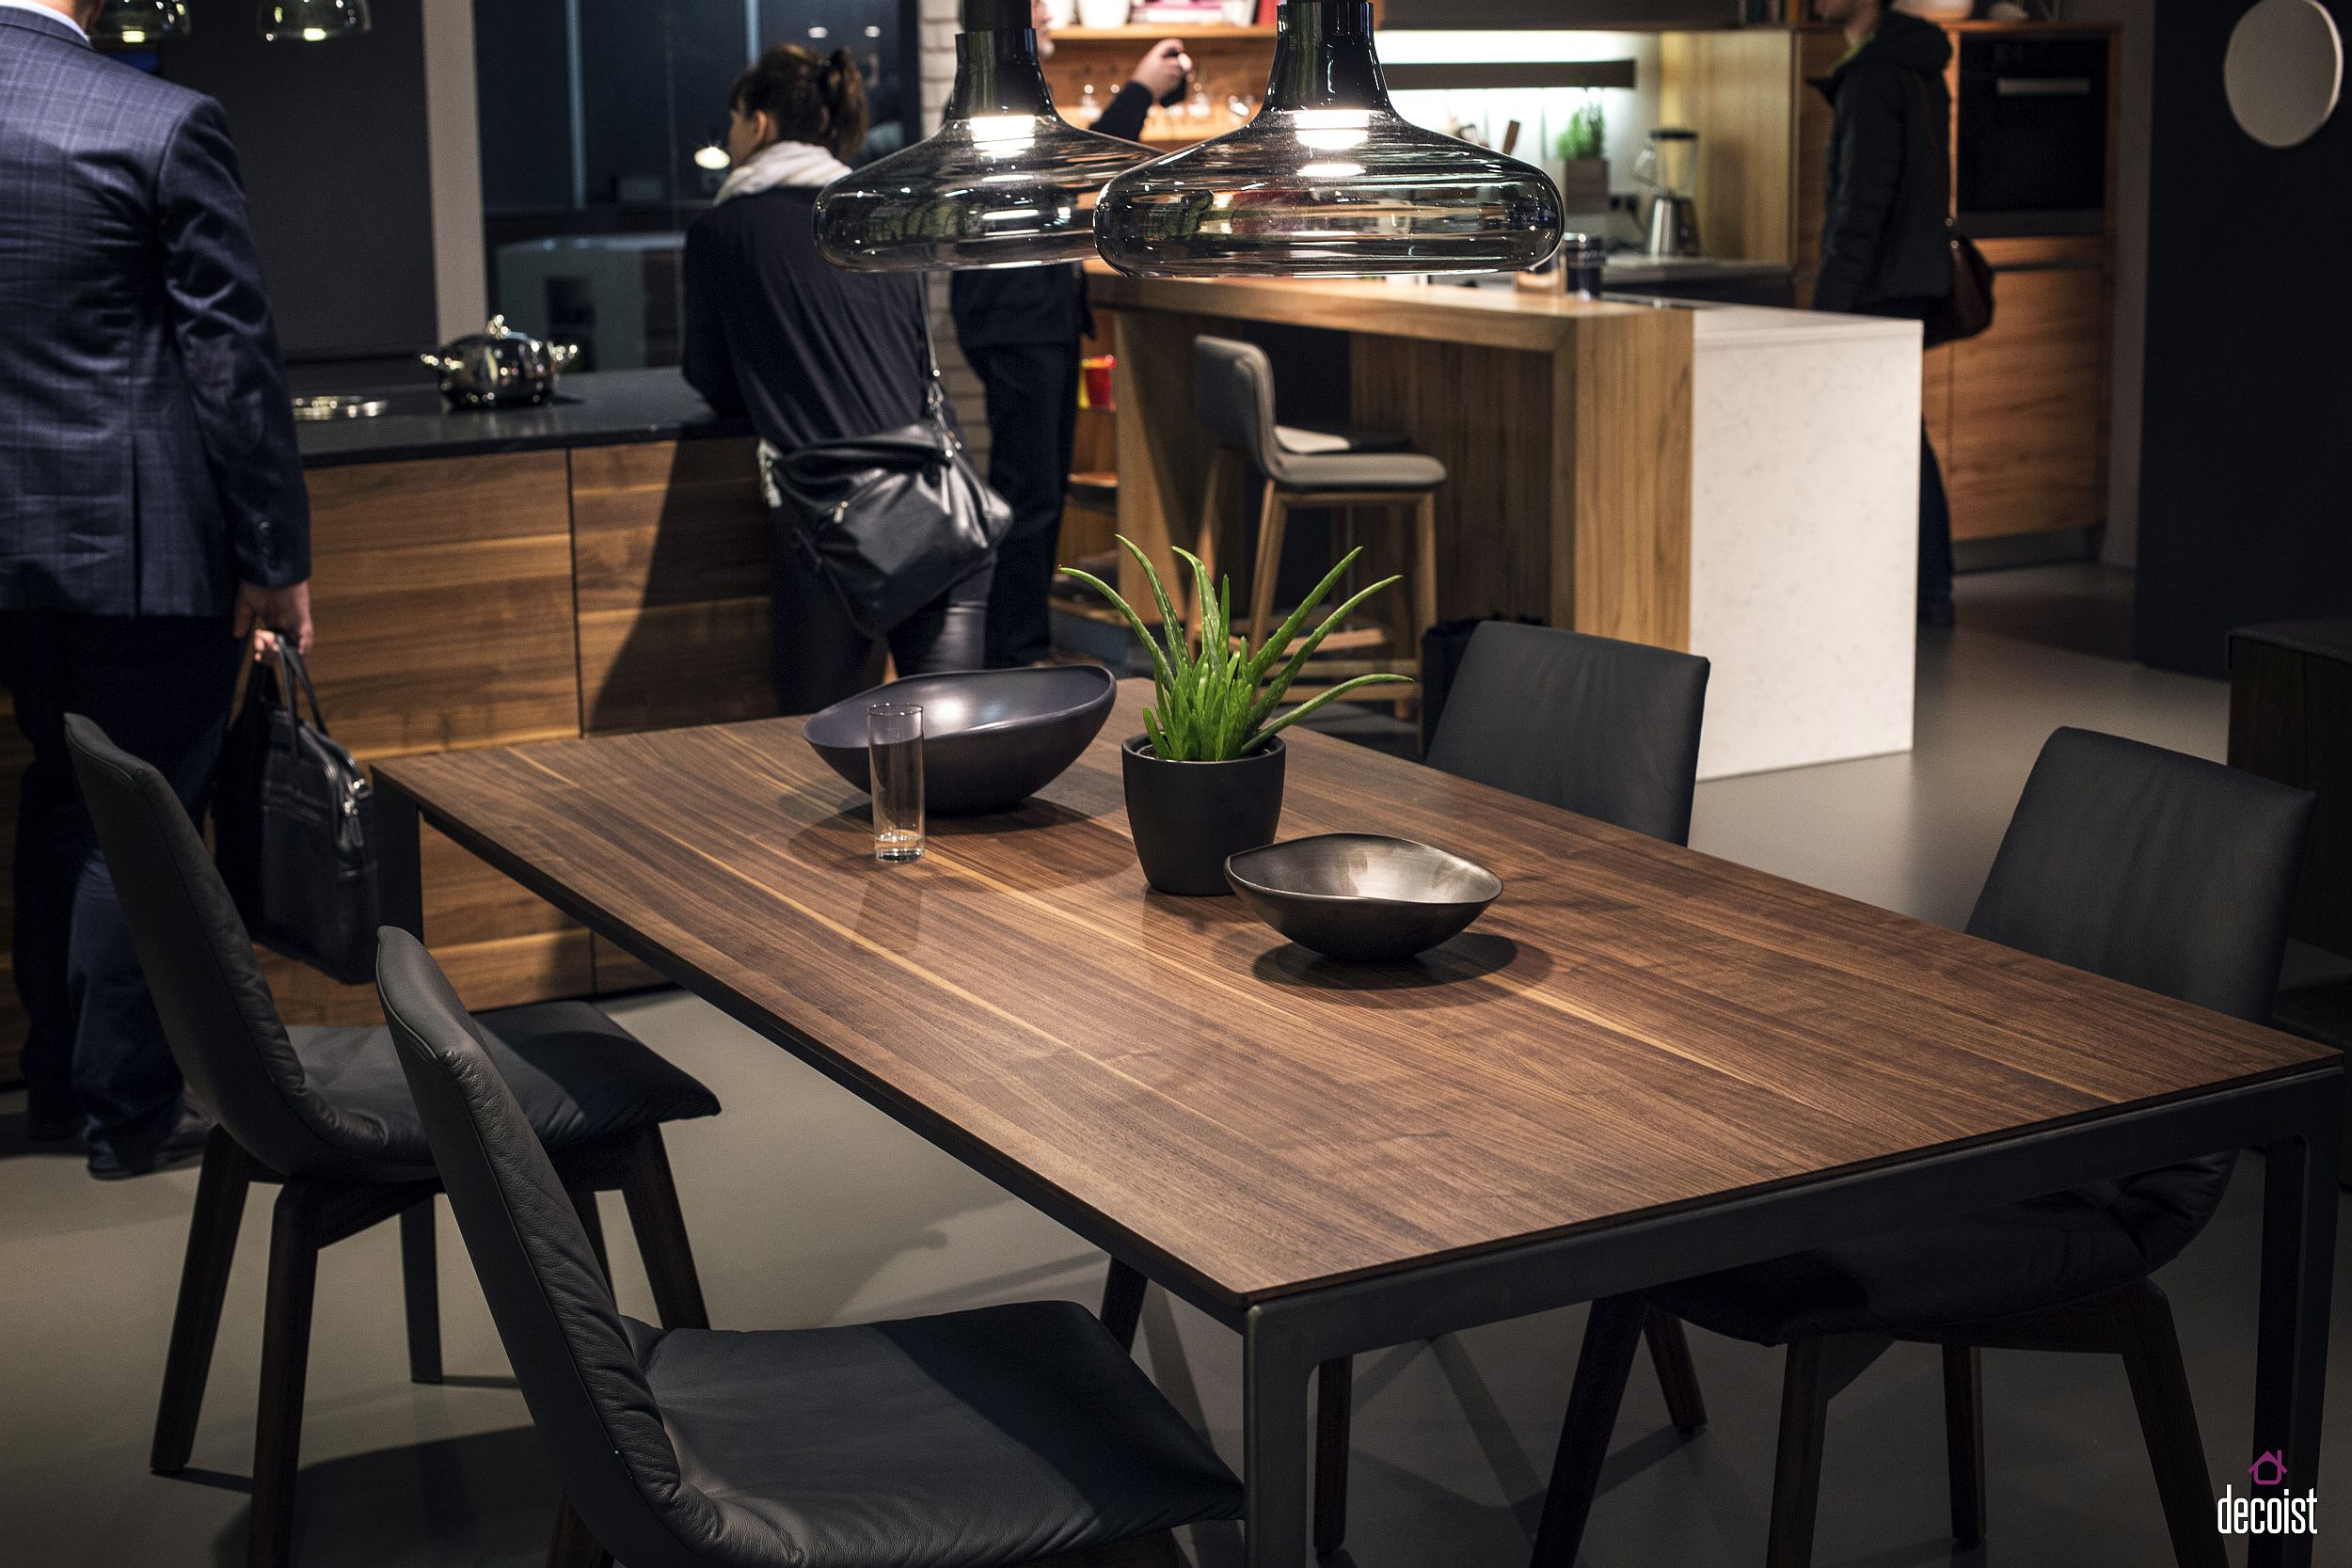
x=1171 y=625
x=1273 y=696
x=1163 y=676
x=1289 y=629
x=1212 y=652
x=1153 y=732
x=1319 y=700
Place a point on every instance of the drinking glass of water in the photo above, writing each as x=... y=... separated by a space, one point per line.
x=894 y=754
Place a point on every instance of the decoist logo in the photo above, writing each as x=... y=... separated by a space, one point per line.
x=2281 y=1512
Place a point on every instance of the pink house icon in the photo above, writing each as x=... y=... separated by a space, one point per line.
x=2269 y=1470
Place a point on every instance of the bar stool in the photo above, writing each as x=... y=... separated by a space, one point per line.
x=1311 y=467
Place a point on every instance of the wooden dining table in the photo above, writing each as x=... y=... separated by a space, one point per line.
x=1641 y=1065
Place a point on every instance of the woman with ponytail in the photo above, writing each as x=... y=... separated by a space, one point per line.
x=807 y=353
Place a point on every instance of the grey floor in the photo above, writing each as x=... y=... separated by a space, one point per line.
x=807 y=1208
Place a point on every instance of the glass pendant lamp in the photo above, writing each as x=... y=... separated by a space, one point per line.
x=139 y=23
x=312 y=20
x=1328 y=181
x=1006 y=181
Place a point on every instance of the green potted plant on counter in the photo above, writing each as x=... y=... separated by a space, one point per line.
x=1204 y=780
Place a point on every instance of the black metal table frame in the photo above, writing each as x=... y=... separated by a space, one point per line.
x=2294 y=1121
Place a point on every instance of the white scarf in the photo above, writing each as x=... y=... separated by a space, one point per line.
x=781 y=164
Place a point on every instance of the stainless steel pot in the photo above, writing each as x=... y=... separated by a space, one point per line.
x=499 y=368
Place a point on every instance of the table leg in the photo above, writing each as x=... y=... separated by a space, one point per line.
x=1274 y=1445
x=399 y=874
x=2299 y=1178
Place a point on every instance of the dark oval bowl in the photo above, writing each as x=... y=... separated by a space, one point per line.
x=990 y=737
x=1361 y=897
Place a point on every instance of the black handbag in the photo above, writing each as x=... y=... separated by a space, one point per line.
x=1967 y=310
x=295 y=828
x=890 y=521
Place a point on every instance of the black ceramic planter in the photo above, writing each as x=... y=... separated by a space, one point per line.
x=1190 y=817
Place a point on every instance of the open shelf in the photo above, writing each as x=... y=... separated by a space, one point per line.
x=1149 y=33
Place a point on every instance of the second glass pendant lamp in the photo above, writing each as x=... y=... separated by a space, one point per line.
x=1006 y=181
x=1328 y=181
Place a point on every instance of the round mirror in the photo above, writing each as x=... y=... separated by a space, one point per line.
x=2284 y=70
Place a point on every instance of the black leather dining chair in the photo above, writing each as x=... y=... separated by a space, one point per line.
x=323 y=1115
x=2150 y=867
x=1004 y=1435
x=1603 y=728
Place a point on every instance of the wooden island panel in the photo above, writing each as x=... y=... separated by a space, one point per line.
x=671 y=548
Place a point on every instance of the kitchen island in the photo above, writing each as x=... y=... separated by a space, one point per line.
x=1734 y=480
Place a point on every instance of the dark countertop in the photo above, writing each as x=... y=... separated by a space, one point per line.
x=594 y=409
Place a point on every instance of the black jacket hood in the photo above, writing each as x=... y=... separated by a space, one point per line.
x=1905 y=40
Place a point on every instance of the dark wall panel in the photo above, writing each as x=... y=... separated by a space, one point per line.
x=332 y=140
x=2246 y=499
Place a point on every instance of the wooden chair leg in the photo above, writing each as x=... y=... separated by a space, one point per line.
x=591 y=1221
x=213 y=1228
x=2168 y=1417
x=1335 y=1406
x=1273 y=521
x=419 y=1280
x=1677 y=1375
x=293 y=1266
x=1963 y=1439
x=1612 y=1337
x=573 y=1545
x=1818 y=1370
x=1424 y=583
x=1122 y=1303
x=650 y=1191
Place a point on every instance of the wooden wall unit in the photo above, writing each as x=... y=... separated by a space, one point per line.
x=1737 y=89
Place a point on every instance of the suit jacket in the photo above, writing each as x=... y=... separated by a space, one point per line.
x=147 y=445
x=1038 y=305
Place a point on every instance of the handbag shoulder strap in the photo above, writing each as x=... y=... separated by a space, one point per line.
x=298 y=687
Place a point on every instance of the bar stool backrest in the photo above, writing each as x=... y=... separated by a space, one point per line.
x=2163 y=871
x=574 y=1356
x=1603 y=728
x=1232 y=391
x=218 y=1013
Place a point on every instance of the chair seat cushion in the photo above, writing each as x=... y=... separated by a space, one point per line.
x=997 y=1436
x=1966 y=1269
x=578 y=1076
x=1406 y=471
x=1320 y=440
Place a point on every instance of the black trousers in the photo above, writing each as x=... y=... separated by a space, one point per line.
x=1935 y=512
x=1032 y=426
x=160 y=686
x=820 y=655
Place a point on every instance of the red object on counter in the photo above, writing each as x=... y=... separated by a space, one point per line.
x=1094 y=387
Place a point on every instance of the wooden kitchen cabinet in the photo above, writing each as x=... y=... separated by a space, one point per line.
x=2028 y=399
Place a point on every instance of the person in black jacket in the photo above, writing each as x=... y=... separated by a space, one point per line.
x=153 y=516
x=809 y=351
x=1020 y=327
x=1884 y=248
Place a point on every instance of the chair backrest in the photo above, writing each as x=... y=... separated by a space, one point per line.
x=1603 y=728
x=1232 y=391
x=2164 y=871
x=576 y=1358
x=218 y=1017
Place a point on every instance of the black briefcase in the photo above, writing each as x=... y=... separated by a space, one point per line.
x=295 y=828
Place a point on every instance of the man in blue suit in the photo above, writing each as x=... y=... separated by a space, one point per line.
x=152 y=516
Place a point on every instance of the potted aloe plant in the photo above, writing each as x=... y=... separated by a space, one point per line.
x=1204 y=780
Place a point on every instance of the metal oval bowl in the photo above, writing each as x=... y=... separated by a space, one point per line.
x=990 y=737
x=1363 y=897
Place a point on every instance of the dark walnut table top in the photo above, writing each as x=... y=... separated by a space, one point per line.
x=1633 y=1027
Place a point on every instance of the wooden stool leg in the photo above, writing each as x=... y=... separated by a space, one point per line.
x=1273 y=520
x=2168 y=1418
x=419 y=1280
x=1205 y=542
x=1424 y=574
x=651 y=1193
x=1612 y=1337
x=573 y=1545
x=1677 y=1376
x=293 y=1267
x=1335 y=1407
x=1122 y=1303
x=213 y=1228
x=1963 y=1439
